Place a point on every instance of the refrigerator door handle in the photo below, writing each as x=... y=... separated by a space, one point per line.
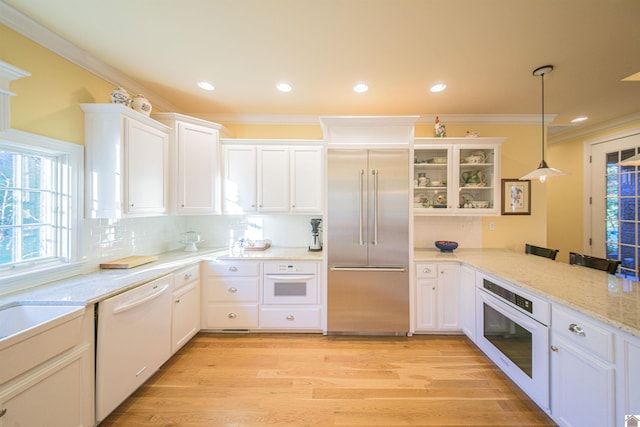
x=361 y=213
x=374 y=172
x=391 y=269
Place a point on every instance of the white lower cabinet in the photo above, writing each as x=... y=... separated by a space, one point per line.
x=230 y=295
x=582 y=371
x=185 y=313
x=438 y=297
x=627 y=376
x=58 y=392
x=468 y=301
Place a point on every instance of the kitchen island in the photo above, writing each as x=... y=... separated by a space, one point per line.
x=610 y=299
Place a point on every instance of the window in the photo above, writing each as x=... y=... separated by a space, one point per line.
x=621 y=223
x=40 y=203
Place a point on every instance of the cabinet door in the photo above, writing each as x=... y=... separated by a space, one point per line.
x=628 y=364
x=273 y=179
x=477 y=179
x=146 y=166
x=239 y=179
x=448 y=297
x=55 y=394
x=306 y=179
x=197 y=174
x=468 y=301
x=426 y=311
x=582 y=387
x=185 y=315
x=432 y=180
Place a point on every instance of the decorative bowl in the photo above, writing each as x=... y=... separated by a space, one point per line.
x=446 y=246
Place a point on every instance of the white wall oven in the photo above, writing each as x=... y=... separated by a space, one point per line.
x=290 y=283
x=513 y=331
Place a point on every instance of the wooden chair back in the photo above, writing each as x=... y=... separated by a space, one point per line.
x=540 y=251
x=608 y=265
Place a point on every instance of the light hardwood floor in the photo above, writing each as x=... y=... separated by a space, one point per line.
x=314 y=380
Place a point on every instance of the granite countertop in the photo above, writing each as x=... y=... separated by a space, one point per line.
x=610 y=299
x=99 y=285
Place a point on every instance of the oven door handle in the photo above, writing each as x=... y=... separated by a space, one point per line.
x=291 y=277
x=518 y=317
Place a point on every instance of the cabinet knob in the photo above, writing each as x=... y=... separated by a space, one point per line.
x=233 y=290
x=426 y=270
x=291 y=317
x=233 y=269
x=554 y=348
x=232 y=315
x=576 y=329
x=3 y=411
x=188 y=276
x=177 y=301
x=434 y=287
x=132 y=205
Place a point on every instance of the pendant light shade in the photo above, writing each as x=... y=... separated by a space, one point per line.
x=543 y=171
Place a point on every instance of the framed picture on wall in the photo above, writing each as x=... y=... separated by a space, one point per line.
x=516 y=197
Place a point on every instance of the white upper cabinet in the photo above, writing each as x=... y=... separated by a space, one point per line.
x=271 y=176
x=457 y=176
x=126 y=163
x=194 y=166
x=239 y=178
x=306 y=179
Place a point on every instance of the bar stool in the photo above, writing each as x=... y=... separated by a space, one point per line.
x=608 y=265
x=540 y=251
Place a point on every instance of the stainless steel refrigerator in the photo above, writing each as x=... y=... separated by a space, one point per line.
x=368 y=241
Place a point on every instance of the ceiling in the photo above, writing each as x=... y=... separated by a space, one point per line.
x=485 y=51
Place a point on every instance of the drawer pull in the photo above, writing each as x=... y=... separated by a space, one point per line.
x=188 y=276
x=233 y=269
x=3 y=411
x=291 y=317
x=232 y=315
x=233 y=290
x=426 y=270
x=576 y=329
x=554 y=348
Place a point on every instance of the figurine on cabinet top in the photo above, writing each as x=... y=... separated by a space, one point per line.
x=440 y=129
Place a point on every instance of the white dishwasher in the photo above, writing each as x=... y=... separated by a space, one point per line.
x=133 y=341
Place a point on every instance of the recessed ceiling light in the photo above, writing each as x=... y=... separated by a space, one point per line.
x=284 y=87
x=438 y=87
x=360 y=88
x=579 y=119
x=205 y=86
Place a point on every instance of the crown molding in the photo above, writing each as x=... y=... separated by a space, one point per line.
x=29 y=28
x=308 y=119
x=588 y=131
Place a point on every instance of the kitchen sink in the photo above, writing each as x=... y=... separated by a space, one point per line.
x=31 y=333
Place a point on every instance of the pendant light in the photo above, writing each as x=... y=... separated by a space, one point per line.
x=543 y=171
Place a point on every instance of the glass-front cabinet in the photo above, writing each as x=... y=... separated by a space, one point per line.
x=456 y=176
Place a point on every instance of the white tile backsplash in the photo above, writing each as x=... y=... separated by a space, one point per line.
x=467 y=231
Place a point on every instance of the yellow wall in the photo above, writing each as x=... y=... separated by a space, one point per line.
x=47 y=102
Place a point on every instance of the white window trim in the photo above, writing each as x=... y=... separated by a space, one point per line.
x=41 y=272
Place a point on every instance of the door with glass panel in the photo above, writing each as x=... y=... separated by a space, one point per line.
x=615 y=203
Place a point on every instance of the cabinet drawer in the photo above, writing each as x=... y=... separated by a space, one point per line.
x=232 y=289
x=426 y=270
x=585 y=333
x=232 y=268
x=186 y=275
x=231 y=316
x=290 y=318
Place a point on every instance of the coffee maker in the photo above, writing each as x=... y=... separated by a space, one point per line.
x=316 y=244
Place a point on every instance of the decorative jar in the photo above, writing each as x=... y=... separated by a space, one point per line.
x=120 y=96
x=141 y=104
